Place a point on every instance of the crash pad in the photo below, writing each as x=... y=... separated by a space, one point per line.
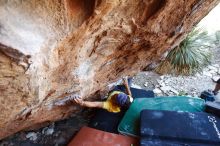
x=93 y=137
x=130 y=122
x=183 y=128
x=136 y=93
x=213 y=107
x=208 y=95
x=108 y=121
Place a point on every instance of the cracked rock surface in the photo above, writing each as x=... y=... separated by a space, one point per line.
x=61 y=132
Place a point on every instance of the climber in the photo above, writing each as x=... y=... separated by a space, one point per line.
x=116 y=100
x=210 y=95
x=217 y=87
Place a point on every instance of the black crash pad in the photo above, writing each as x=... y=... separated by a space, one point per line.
x=173 y=128
x=107 y=121
x=212 y=107
x=137 y=93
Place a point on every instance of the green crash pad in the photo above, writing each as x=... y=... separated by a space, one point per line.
x=130 y=122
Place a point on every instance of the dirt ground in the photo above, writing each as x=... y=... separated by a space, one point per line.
x=55 y=134
x=61 y=132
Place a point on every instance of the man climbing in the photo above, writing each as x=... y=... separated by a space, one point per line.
x=210 y=95
x=116 y=100
x=217 y=87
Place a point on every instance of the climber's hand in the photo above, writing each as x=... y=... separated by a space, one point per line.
x=73 y=96
x=79 y=101
x=125 y=80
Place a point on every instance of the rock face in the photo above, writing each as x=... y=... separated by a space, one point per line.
x=51 y=50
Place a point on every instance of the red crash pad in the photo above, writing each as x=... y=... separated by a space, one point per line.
x=93 y=137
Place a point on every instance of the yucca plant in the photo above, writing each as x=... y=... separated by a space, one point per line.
x=190 y=56
x=217 y=37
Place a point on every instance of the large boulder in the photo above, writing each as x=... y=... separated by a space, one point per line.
x=50 y=50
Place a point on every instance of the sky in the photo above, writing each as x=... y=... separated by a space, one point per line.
x=212 y=21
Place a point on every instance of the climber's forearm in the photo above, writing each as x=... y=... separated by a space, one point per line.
x=97 y=104
x=128 y=91
x=93 y=104
x=217 y=87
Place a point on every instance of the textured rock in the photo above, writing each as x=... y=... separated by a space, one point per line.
x=52 y=49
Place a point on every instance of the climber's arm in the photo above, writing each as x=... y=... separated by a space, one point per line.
x=217 y=87
x=92 y=104
x=128 y=91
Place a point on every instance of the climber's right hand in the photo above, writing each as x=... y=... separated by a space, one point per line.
x=79 y=101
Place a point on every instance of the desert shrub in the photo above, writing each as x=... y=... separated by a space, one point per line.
x=217 y=38
x=190 y=56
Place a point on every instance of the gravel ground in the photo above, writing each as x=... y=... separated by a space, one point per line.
x=61 y=132
x=168 y=85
